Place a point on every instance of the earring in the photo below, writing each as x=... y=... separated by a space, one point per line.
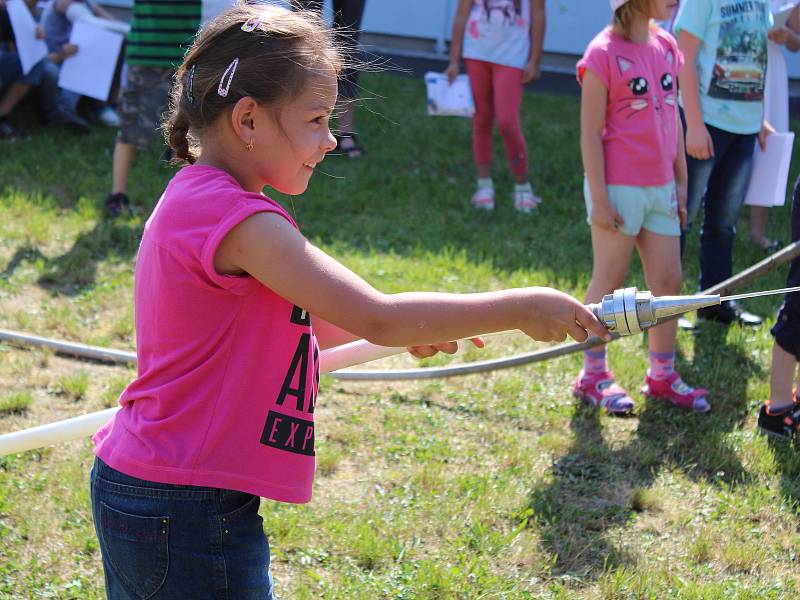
x=250 y=145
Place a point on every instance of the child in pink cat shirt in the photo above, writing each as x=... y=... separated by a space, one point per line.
x=635 y=186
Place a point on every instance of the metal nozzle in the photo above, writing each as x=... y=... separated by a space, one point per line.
x=629 y=311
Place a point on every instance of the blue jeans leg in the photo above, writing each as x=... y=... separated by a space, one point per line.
x=727 y=187
x=718 y=185
x=161 y=542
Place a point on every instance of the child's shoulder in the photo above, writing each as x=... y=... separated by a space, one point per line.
x=664 y=37
x=601 y=42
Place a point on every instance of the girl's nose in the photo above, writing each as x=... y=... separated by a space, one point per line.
x=329 y=143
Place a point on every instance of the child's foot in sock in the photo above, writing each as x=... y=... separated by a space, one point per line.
x=678 y=392
x=600 y=389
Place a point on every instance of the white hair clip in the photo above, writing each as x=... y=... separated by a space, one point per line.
x=190 y=85
x=224 y=85
x=251 y=24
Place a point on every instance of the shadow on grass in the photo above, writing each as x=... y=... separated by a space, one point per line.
x=591 y=488
x=76 y=270
x=787 y=459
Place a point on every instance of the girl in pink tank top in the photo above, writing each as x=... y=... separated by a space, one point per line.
x=232 y=305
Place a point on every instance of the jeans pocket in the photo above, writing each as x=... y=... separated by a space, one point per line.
x=136 y=548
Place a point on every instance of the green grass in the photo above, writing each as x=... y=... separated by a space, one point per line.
x=15 y=403
x=488 y=486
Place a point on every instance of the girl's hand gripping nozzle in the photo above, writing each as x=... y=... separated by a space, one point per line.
x=629 y=311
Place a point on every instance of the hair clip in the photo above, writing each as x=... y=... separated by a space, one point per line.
x=190 y=85
x=224 y=86
x=251 y=24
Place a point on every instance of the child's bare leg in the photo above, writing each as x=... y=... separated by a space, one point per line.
x=15 y=93
x=123 y=163
x=661 y=260
x=660 y=256
x=612 y=255
x=782 y=374
x=758 y=224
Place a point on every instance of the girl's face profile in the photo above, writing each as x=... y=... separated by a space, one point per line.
x=289 y=142
x=661 y=10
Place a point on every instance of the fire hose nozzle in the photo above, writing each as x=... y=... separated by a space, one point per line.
x=629 y=311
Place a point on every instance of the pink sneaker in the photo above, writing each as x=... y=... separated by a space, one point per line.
x=601 y=390
x=677 y=391
x=483 y=198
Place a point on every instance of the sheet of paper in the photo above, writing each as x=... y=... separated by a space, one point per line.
x=90 y=71
x=31 y=50
x=771 y=171
x=445 y=98
x=781 y=16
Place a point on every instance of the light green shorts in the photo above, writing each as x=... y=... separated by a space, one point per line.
x=654 y=208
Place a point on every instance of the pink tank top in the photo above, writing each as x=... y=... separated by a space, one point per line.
x=228 y=371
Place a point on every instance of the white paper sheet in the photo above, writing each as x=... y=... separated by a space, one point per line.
x=771 y=171
x=90 y=71
x=445 y=98
x=30 y=50
x=781 y=16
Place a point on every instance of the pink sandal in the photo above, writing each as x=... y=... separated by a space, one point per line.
x=678 y=392
x=601 y=390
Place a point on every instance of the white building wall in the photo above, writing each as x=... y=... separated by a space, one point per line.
x=571 y=24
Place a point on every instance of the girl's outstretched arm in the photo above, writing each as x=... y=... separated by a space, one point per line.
x=267 y=247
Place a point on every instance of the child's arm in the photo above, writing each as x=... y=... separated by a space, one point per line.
x=681 y=176
x=594 y=100
x=698 y=141
x=267 y=247
x=457 y=38
x=99 y=11
x=329 y=336
x=532 y=71
x=789 y=35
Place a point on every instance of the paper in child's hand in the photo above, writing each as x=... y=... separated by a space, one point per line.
x=445 y=98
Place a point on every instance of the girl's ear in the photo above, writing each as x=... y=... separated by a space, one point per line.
x=243 y=119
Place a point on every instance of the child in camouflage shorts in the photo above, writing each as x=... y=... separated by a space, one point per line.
x=161 y=30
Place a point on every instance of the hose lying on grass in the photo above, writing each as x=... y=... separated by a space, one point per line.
x=331 y=360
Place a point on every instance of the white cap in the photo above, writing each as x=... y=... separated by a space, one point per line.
x=615 y=4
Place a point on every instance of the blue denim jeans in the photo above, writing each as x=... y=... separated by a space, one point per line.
x=720 y=185
x=160 y=541
x=787 y=326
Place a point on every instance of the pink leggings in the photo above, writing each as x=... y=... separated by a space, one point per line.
x=497 y=91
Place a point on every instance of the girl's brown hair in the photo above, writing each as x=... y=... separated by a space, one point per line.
x=625 y=14
x=277 y=51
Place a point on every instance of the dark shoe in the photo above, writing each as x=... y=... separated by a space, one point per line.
x=783 y=425
x=727 y=313
x=769 y=246
x=116 y=204
x=9 y=131
x=347 y=145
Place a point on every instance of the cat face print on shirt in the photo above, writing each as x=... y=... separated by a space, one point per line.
x=646 y=91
